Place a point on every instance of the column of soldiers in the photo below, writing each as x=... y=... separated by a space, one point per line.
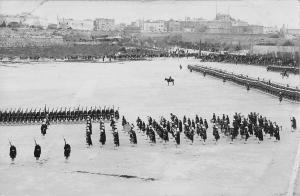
x=246 y=126
x=252 y=125
x=89 y=131
x=115 y=132
x=102 y=132
x=20 y=116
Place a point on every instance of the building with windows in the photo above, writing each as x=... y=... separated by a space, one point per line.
x=295 y=32
x=219 y=26
x=174 y=26
x=104 y=24
x=87 y=24
x=270 y=30
x=154 y=27
x=34 y=21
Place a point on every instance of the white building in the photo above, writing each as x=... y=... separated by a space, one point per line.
x=35 y=21
x=295 y=32
x=87 y=24
x=104 y=24
x=270 y=30
x=154 y=27
x=240 y=23
x=10 y=18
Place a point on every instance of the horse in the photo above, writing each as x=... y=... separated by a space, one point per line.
x=169 y=80
x=284 y=74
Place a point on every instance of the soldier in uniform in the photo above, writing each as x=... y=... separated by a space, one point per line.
x=88 y=137
x=260 y=134
x=152 y=135
x=116 y=138
x=132 y=134
x=246 y=134
x=102 y=137
x=165 y=135
x=203 y=133
x=177 y=137
x=12 y=151
x=276 y=133
x=67 y=149
x=294 y=124
x=102 y=132
x=44 y=128
x=216 y=133
x=124 y=122
x=205 y=124
x=117 y=116
x=89 y=124
x=213 y=120
x=37 y=151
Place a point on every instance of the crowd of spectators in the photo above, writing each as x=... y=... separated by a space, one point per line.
x=250 y=59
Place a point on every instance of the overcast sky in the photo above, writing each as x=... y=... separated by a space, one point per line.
x=261 y=12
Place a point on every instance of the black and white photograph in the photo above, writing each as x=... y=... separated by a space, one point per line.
x=149 y=97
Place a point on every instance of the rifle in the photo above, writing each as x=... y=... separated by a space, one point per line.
x=9 y=142
x=65 y=141
x=35 y=142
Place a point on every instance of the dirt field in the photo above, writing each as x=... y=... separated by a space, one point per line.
x=139 y=89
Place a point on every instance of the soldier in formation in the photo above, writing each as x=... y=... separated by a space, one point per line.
x=12 y=151
x=58 y=115
x=67 y=149
x=37 y=150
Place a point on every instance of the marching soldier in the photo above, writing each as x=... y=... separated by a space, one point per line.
x=124 y=122
x=165 y=135
x=203 y=133
x=116 y=138
x=260 y=134
x=44 y=128
x=37 y=151
x=102 y=137
x=152 y=135
x=294 y=124
x=246 y=134
x=117 y=115
x=177 y=137
x=88 y=137
x=216 y=133
x=276 y=133
x=213 y=120
x=132 y=135
x=89 y=123
x=12 y=151
x=67 y=149
x=205 y=124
